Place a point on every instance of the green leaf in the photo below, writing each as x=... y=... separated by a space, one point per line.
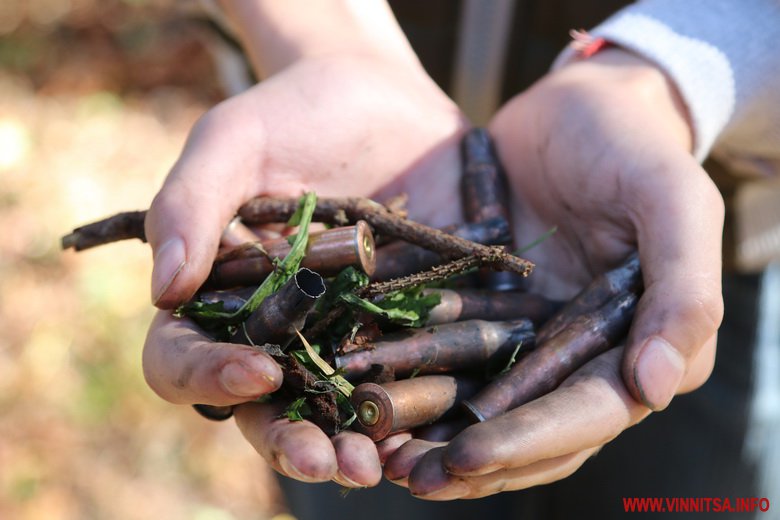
x=298 y=409
x=512 y=359
x=296 y=218
x=547 y=234
x=409 y=307
x=397 y=315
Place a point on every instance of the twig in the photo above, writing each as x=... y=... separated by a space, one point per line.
x=340 y=211
x=121 y=226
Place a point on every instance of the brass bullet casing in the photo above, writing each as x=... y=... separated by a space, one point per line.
x=544 y=368
x=444 y=348
x=627 y=277
x=400 y=258
x=276 y=319
x=477 y=304
x=409 y=403
x=327 y=253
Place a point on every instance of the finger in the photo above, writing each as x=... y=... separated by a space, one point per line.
x=429 y=479
x=208 y=183
x=401 y=463
x=682 y=305
x=390 y=445
x=587 y=410
x=358 y=461
x=700 y=367
x=184 y=367
x=297 y=449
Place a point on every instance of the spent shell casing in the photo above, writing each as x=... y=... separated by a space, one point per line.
x=409 y=403
x=327 y=253
x=627 y=277
x=484 y=186
x=441 y=348
x=232 y=299
x=480 y=304
x=485 y=195
x=284 y=311
x=401 y=258
x=544 y=368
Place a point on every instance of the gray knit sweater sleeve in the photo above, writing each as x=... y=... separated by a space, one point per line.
x=724 y=57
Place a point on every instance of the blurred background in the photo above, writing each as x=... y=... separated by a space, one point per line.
x=96 y=99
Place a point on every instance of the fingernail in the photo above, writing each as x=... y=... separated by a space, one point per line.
x=658 y=371
x=291 y=471
x=168 y=263
x=450 y=492
x=342 y=479
x=251 y=377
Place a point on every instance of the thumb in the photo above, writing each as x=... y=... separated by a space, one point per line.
x=199 y=197
x=682 y=305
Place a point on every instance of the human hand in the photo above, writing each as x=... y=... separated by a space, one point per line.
x=346 y=124
x=599 y=149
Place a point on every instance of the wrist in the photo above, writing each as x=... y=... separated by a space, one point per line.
x=620 y=71
x=276 y=34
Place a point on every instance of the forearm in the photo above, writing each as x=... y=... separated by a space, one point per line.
x=279 y=33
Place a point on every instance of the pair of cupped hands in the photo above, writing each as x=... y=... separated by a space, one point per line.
x=599 y=148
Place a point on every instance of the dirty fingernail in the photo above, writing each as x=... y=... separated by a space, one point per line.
x=251 y=377
x=658 y=371
x=291 y=471
x=168 y=263
x=342 y=479
x=450 y=492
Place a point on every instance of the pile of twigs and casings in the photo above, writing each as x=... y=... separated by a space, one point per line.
x=428 y=332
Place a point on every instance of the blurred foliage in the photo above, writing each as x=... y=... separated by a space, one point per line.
x=96 y=98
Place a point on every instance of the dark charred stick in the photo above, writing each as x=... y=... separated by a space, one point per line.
x=625 y=278
x=340 y=211
x=400 y=258
x=327 y=253
x=543 y=369
x=401 y=405
x=121 y=226
x=475 y=304
x=444 y=348
x=284 y=311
